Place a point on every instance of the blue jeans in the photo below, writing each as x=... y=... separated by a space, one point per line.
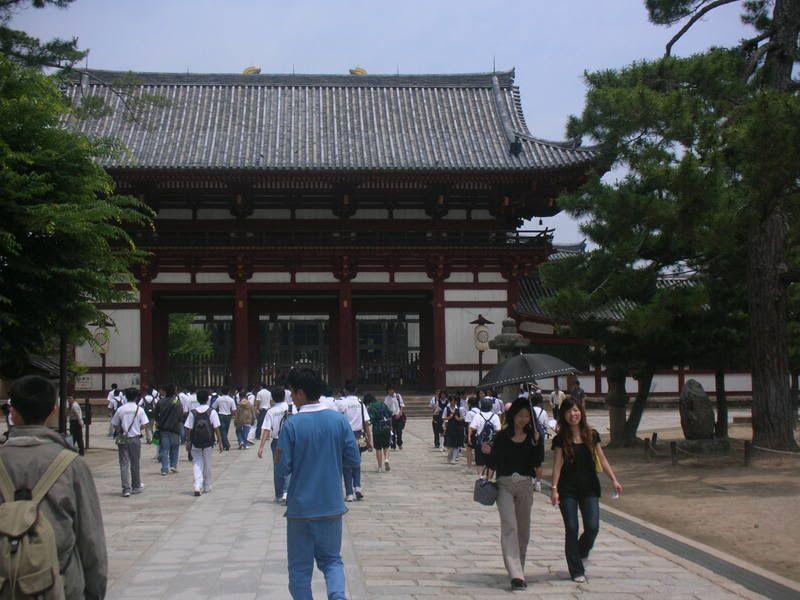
x=168 y=447
x=352 y=479
x=320 y=540
x=281 y=483
x=577 y=548
x=241 y=434
x=224 y=426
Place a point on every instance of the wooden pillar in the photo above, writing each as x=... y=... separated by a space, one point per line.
x=439 y=336
x=145 y=331
x=160 y=347
x=346 y=325
x=241 y=326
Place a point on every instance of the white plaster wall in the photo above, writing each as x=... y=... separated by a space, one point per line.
x=173 y=278
x=371 y=213
x=322 y=277
x=86 y=357
x=460 y=278
x=738 y=382
x=413 y=335
x=410 y=213
x=666 y=383
x=460 y=335
x=481 y=215
x=314 y=213
x=491 y=278
x=123 y=342
x=475 y=295
x=707 y=381
x=123 y=380
x=218 y=277
x=412 y=278
x=174 y=213
x=371 y=278
x=271 y=278
x=456 y=214
x=271 y=213
x=463 y=379
x=214 y=213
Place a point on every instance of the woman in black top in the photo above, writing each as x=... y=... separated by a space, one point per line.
x=514 y=458
x=575 y=483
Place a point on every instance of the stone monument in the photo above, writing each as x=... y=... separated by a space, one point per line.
x=508 y=343
x=697 y=421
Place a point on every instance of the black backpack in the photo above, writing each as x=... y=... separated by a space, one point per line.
x=203 y=431
x=486 y=436
x=538 y=425
x=383 y=422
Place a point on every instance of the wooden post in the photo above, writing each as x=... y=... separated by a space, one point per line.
x=748 y=452
x=647 y=449
x=654 y=440
x=439 y=340
x=145 y=332
x=673 y=451
x=241 y=324
x=346 y=325
x=87 y=420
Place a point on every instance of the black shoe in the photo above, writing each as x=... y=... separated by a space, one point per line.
x=359 y=495
x=517 y=585
x=197 y=494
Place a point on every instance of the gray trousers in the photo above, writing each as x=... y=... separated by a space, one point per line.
x=129 y=458
x=514 y=503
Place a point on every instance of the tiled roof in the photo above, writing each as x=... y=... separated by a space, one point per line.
x=322 y=122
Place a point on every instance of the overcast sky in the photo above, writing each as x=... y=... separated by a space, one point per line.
x=550 y=43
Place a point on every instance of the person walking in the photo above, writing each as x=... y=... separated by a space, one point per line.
x=513 y=458
x=169 y=418
x=577 y=458
x=394 y=402
x=380 y=418
x=263 y=402
x=202 y=430
x=556 y=398
x=540 y=420
x=71 y=505
x=453 y=420
x=148 y=405
x=314 y=447
x=245 y=415
x=484 y=427
x=437 y=406
x=276 y=416
x=472 y=411
x=76 y=424
x=225 y=406
x=128 y=421
x=352 y=408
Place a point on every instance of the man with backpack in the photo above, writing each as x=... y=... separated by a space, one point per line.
x=128 y=422
x=169 y=417
x=38 y=467
x=482 y=430
x=380 y=418
x=271 y=429
x=202 y=431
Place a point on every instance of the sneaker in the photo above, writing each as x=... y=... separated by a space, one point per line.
x=349 y=498
x=126 y=494
x=359 y=495
x=537 y=486
x=196 y=494
x=283 y=498
x=386 y=466
x=164 y=473
x=579 y=579
x=173 y=470
x=138 y=490
x=379 y=470
x=517 y=585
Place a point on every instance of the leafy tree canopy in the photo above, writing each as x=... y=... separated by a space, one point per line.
x=186 y=340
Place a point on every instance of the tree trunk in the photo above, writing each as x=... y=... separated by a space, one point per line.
x=772 y=406
x=722 y=404
x=645 y=379
x=795 y=395
x=616 y=400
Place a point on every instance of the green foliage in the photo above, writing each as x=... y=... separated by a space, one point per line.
x=27 y=51
x=63 y=244
x=186 y=340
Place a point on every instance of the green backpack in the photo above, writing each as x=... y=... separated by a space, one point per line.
x=29 y=566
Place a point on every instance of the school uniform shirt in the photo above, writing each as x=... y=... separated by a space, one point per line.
x=224 y=405
x=130 y=415
x=273 y=420
x=75 y=413
x=113 y=402
x=184 y=398
x=356 y=413
x=481 y=418
x=394 y=404
x=214 y=417
x=263 y=399
x=541 y=416
x=328 y=402
x=498 y=407
x=471 y=415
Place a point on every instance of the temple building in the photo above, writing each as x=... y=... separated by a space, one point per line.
x=356 y=224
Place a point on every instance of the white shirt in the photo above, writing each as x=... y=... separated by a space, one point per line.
x=75 y=413
x=201 y=408
x=498 y=407
x=130 y=415
x=113 y=400
x=394 y=403
x=356 y=413
x=557 y=397
x=479 y=422
x=273 y=420
x=184 y=398
x=263 y=399
x=471 y=415
x=327 y=402
x=225 y=405
x=541 y=416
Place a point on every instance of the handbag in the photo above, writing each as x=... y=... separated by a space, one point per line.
x=485 y=491
x=121 y=439
x=361 y=436
x=156 y=439
x=598 y=466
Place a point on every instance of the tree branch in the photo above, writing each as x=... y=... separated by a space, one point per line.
x=752 y=64
x=753 y=42
x=695 y=18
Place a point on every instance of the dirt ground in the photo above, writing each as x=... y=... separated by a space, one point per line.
x=752 y=513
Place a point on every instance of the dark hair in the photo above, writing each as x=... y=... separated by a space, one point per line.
x=349 y=386
x=369 y=399
x=517 y=406
x=472 y=402
x=113 y=386
x=278 y=394
x=169 y=390
x=202 y=396
x=390 y=386
x=486 y=404
x=224 y=390
x=587 y=436
x=34 y=398
x=536 y=398
x=308 y=381
x=131 y=394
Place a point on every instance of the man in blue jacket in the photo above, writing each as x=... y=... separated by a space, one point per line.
x=314 y=446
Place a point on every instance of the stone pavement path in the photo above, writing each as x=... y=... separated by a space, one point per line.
x=417 y=535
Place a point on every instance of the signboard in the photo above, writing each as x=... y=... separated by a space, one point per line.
x=83 y=382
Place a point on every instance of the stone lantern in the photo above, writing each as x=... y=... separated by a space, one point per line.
x=508 y=343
